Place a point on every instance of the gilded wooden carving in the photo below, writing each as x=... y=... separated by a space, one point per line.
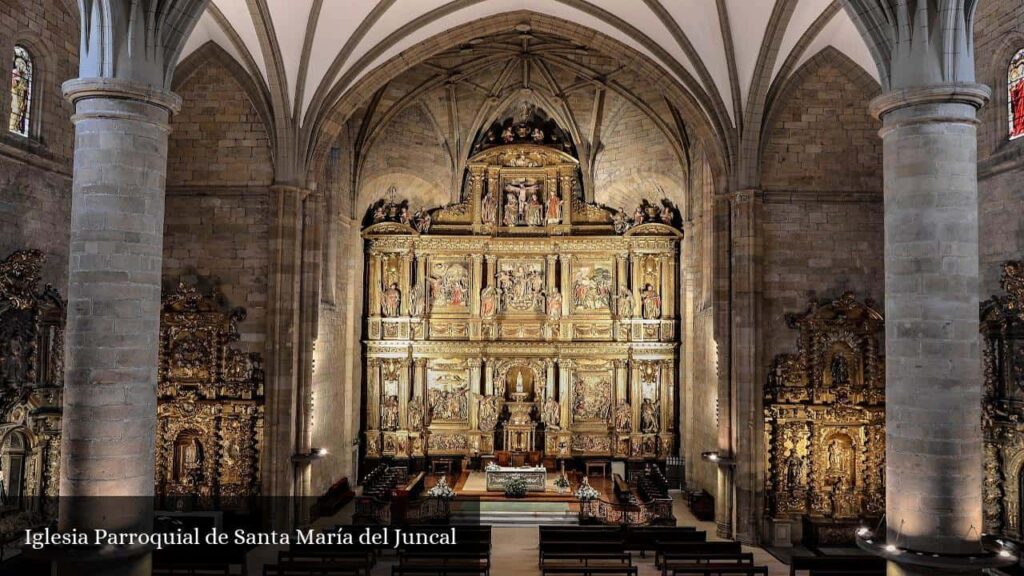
x=210 y=402
x=825 y=416
x=1002 y=327
x=539 y=315
x=31 y=385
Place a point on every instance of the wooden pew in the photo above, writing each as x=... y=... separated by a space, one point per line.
x=362 y=561
x=564 y=550
x=193 y=570
x=590 y=570
x=865 y=565
x=673 y=561
x=308 y=569
x=665 y=550
x=439 y=570
x=721 y=570
x=643 y=538
x=592 y=559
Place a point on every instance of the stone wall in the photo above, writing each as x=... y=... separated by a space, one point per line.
x=35 y=173
x=999 y=33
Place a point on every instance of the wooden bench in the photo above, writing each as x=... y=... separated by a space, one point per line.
x=665 y=550
x=642 y=538
x=478 y=562
x=434 y=569
x=193 y=570
x=580 y=549
x=591 y=559
x=309 y=569
x=673 y=561
x=721 y=570
x=360 y=560
x=582 y=570
x=820 y=564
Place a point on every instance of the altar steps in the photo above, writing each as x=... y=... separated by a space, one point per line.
x=512 y=512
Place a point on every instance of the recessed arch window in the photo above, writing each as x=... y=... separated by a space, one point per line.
x=22 y=69
x=1015 y=95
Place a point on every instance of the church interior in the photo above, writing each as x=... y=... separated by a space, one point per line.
x=719 y=287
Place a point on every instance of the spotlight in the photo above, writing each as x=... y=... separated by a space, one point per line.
x=307 y=457
x=890 y=548
x=1004 y=553
x=716 y=458
x=863 y=532
x=321 y=452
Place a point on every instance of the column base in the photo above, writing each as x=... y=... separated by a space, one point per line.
x=905 y=562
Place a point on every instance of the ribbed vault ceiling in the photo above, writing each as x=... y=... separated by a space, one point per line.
x=306 y=52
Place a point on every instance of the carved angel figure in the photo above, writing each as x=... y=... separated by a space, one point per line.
x=623 y=417
x=620 y=221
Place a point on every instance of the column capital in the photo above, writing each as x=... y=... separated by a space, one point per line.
x=746 y=196
x=967 y=93
x=300 y=191
x=78 y=89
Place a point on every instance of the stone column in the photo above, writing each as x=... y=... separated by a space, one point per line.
x=744 y=483
x=113 y=316
x=933 y=373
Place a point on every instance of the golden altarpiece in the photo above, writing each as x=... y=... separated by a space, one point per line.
x=31 y=391
x=1002 y=327
x=209 y=403
x=825 y=425
x=521 y=318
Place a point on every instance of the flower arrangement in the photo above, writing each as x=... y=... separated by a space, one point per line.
x=491 y=467
x=441 y=490
x=515 y=487
x=561 y=482
x=586 y=492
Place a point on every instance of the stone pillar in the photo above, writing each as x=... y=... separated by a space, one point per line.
x=113 y=316
x=933 y=373
x=744 y=443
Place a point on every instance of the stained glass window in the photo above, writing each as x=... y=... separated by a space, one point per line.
x=1015 y=95
x=21 y=91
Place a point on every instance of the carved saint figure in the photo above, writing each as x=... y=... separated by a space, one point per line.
x=554 y=305
x=489 y=406
x=625 y=303
x=794 y=470
x=415 y=415
x=638 y=216
x=488 y=208
x=507 y=136
x=534 y=211
x=519 y=382
x=391 y=301
x=488 y=303
x=416 y=301
x=422 y=221
x=511 y=209
x=552 y=414
x=12 y=365
x=389 y=413
x=620 y=221
x=554 y=208
x=537 y=135
x=651 y=303
x=623 y=417
x=840 y=370
x=648 y=416
x=667 y=215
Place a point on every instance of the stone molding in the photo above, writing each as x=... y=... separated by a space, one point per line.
x=83 y=88
x=968 y=93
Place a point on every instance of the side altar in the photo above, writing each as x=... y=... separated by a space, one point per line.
x=521 y=318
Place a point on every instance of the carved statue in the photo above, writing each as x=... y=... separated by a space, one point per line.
x=651 y=303
x=551 y=413
x=416 y=300
x=667 y=215
x=554 y=305
x=490 y=407
x=389 y=413
x=488 y=208
x=840 y=370
x=623 y=417
x=649 y=416
x=415 y=414
x=488 y=303
x=554 y=208
x=421 y=221
x=638 y=216
x=620 y=221
x=534 y=211
x=625 y=303
x=391 y=301
x=511 y=209
x=794 y=470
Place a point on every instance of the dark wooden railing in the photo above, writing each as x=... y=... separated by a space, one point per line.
x=639 y=514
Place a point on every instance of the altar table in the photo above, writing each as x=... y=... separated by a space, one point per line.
x=536 y=477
